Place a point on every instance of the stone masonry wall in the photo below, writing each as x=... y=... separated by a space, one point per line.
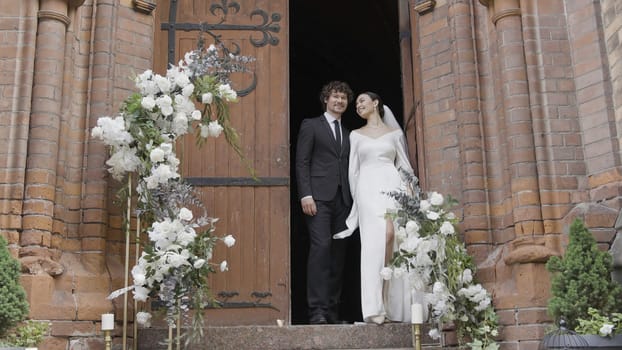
x=64 y=64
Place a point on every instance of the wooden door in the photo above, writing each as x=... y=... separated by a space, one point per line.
x=256 y=289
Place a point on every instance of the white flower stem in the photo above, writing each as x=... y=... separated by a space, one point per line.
x=137 y=252
x=127 y=257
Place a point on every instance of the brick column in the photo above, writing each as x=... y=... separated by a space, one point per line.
x=526 y=206
x=43 y=141
x=476 y=223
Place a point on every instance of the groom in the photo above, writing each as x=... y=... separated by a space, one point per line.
x=322 y=174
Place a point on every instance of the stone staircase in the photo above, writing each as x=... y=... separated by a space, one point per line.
x=389 y=336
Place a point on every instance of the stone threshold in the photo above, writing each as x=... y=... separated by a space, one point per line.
x=389 y=336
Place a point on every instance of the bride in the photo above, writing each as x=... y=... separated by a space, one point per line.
x=377 y=152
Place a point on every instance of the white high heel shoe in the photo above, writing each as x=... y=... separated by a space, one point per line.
x=379 y=319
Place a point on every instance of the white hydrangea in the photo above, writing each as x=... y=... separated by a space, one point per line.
x=144 y=319
x=122 y=161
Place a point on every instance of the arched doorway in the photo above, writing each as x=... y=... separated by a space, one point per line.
x=356 y=41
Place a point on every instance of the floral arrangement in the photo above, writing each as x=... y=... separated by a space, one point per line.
x=175 y=261
x=438 y=265
x=605 y=326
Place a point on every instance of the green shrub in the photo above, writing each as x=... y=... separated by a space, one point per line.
x=13 y=304
x=27 y=334
x=582 y=279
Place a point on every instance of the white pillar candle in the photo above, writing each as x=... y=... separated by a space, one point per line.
x=107 y=322
x=416 y=313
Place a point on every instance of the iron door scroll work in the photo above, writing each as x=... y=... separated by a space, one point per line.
x=269 y=25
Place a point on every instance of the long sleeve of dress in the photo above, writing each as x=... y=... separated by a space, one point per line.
x=352 y=221
x=401 y=160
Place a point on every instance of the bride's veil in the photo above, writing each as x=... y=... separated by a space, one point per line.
x=389 y=118
x=390 y=121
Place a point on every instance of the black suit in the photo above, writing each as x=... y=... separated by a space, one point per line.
x=322 y=172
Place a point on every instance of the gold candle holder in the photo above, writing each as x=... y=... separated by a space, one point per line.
x=108 y=340
x=416 y=336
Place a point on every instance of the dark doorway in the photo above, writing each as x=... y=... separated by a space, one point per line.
x=356 y=41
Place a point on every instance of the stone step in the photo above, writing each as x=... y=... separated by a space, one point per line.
x=389 y=336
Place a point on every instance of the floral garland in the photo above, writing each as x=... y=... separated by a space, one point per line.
x=175 y=261
x=438 y=265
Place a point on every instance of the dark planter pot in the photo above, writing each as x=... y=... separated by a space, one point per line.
x=603 y=343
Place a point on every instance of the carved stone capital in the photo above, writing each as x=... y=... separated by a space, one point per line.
x=505 y=13
x=423 y=6
x=528 y=250
x=144 y=6
x=49 y=14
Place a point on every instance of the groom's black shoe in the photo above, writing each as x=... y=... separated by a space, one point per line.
x=332 y=318
x=317 y=319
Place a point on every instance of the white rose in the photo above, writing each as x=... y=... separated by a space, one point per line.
x=447 y=228
x=214 y=128
x=141 y=293
x=185 y=214
x=424 y=205
x=412 y=228
x=434 y=333
x=97 y=132
x=187 y=90
x=204 y=131
x=148 y=103
x=199 y=263
x=223 y=266
x=229 y=240
x=157 y=155
x=139 y=279
x=207 y=98
x=386 y=273
x=436 y=198
x=606 y=329
x=196 y=115
x=163 y=84
x=432 y=215
x=467 y=276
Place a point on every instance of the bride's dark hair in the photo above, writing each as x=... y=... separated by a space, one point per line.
x=375 y=97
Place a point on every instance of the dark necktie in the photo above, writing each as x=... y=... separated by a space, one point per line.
x=337 y=133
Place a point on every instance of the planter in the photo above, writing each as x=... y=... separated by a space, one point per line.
x=603 y=343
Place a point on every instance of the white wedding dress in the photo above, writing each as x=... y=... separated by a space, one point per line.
x=373 y=172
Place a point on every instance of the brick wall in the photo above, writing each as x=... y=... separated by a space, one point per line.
x=519 y=119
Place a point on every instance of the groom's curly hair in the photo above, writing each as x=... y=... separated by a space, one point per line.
x=335 y=86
